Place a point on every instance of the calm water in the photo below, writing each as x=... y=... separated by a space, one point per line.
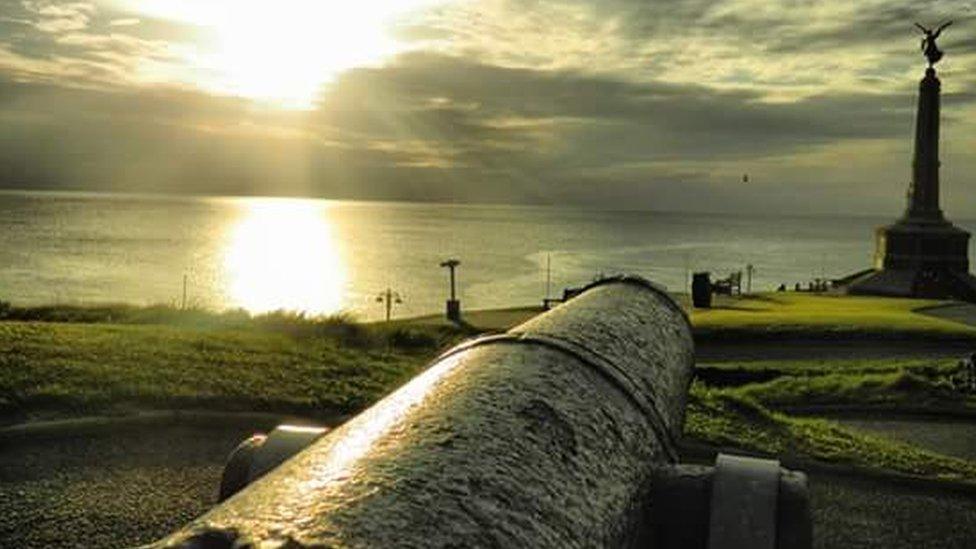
x=325 y=256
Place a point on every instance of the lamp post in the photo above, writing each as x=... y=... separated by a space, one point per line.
x=388 y=298
x=453 y=304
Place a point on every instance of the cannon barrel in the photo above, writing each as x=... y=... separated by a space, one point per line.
x=545 y=436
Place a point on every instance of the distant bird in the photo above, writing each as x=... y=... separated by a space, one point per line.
x=745 y=178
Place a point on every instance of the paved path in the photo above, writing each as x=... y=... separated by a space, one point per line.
x=820 y=349
x=964 y=313
x=945 y=436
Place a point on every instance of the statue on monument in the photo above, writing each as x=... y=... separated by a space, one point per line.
x=929 y=47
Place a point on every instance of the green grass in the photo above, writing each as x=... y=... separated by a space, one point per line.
x=724 y=419
x=902 y=390
x=778 y=315
x=80 y=368
x=751 y=416
x=892 y=384
x=763 y=316
x=788 y=314
x=80 y=360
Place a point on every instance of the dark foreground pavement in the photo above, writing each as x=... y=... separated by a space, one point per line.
x=805 y=349
x=131 y=486
x=858 y=513
x=952 y=437
x=109 y=489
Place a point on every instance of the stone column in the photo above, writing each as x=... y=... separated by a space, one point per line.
x=923 y=202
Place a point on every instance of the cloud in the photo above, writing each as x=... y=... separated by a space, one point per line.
x=127 y=22
x=783 y=50
x=483 y=108
x=613 y=103
x=57 y=18
x=74 y=45
x=148 y=140
x=429 y=126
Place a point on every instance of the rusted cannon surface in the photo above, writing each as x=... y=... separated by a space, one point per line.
x=546 y=436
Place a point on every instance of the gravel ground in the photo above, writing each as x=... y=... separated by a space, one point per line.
x=953 y=438
x=135 y=485
x=857 y=513
x=109 y=490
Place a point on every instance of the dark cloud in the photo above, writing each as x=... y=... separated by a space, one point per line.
x=781 y=27
x=433 y=126
x=587 y=120
x=424 y=127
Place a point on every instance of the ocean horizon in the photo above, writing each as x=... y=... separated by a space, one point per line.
x=329 y=256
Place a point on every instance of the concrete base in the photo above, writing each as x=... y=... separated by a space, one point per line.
x=922 y=244
x=932 y=284
x=454 y=310
x=918 y=257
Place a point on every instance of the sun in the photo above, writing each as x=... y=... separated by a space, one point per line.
x=284 y=51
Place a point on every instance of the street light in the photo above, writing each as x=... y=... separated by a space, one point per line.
x=389 y=297
x=453 y=305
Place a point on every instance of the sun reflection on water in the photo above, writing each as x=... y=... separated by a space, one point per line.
x=281 y=254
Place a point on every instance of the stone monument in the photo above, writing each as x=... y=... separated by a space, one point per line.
x=922 y=254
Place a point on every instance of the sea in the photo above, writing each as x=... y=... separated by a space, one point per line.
x=324 y=257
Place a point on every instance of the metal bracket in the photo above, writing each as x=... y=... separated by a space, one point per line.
x=261 y=453
x=740 y=503
x=744 y=500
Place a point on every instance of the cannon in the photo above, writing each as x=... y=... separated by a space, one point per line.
x=562 y=432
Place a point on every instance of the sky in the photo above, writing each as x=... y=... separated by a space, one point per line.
x=620 y=104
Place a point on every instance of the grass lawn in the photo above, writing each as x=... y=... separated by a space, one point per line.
x=77 y=368
x=907 y=384
x=732 y=419
x=60 y=361
x=893 y=390
x=799 y=314
x=750 y=415
x=773 y=315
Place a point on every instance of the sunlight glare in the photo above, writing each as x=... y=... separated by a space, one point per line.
x=359 y=436
x=282 y=255
x=283 y=52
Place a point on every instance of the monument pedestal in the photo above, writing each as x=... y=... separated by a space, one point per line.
x=922 y=254
x=916 y=245
x=920 y=258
